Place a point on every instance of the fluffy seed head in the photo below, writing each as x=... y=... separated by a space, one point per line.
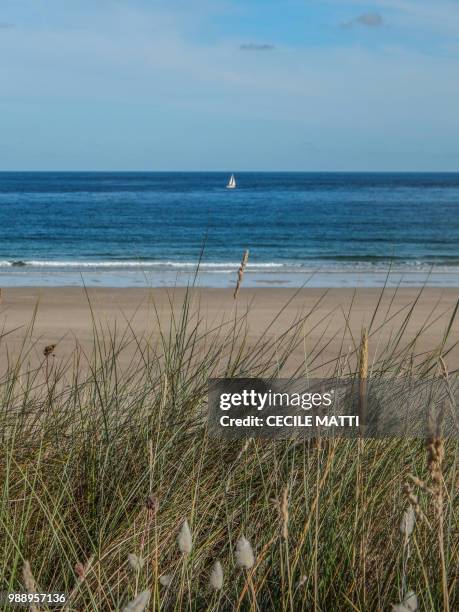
x=407 y=522
x=409 y=603
x=184 y=540
x=139 y=603
x=29 y=581
x=244 y=553
x=216 y=576
x=165 y=579
x=135 y=562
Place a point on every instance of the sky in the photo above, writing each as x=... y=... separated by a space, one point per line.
x=233 y=85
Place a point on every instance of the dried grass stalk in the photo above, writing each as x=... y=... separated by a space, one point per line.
x=363 y=376
x=284 y=513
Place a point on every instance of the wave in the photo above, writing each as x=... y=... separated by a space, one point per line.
x=33 y=263
x=130 y=264
x=309 y=266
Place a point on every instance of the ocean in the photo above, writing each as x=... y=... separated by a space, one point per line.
x=152 y=229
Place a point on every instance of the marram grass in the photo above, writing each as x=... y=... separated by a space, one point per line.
x=113 y=493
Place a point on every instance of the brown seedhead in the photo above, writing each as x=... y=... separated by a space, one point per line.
x=48 y=351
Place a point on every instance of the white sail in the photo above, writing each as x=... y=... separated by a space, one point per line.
x=231 y=183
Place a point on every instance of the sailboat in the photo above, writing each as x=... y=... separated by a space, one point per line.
x=231 y=183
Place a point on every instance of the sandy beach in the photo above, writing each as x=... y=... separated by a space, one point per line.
x=64 y=316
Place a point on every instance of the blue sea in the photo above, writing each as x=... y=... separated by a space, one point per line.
x=152 y=229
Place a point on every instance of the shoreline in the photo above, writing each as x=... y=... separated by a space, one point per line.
x=220 y=279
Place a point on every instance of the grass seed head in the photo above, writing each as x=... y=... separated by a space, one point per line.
x=302 y=580
x=244 y=553
x=408 y=521
x=240 y=274
x=135 y=562
x=139 y=603
x=165 y=579
x=216 y=576
x=435 y=455
x=409 y=603
x=184 y=539
x=363 y=357
x=49 y=350
x=151 y=503
x=29 y=581
x=79 y=570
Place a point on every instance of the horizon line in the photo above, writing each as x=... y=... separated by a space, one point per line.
x=67 y=171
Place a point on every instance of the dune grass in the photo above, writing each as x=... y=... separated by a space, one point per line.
x=102 y=465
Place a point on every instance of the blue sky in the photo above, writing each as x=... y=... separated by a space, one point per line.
x=229 y=85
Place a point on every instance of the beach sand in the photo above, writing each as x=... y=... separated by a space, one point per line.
x=64 y=316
